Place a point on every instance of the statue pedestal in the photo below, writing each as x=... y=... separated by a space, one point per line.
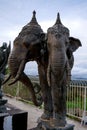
x=2 y=103
x=43 y=125
x=13 y=119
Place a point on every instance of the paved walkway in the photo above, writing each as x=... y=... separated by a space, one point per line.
x=34 y=113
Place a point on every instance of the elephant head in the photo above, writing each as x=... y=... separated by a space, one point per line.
x=61 y=45
x=57 y=42
x=27 y=47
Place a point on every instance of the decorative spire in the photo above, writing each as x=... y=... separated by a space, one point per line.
x=33 y=20
x=58 y=20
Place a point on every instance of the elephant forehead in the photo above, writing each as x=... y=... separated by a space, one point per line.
x=57 y=38
x=29 y=33
x=30 y=30
x=28 y=38
x=58 y=29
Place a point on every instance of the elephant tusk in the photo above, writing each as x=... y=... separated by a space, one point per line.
x=20 y=70
x=13 y=82
x=6 y=79
x=49 y=75
x=27 y=82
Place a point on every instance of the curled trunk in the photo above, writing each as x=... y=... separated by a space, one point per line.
x=27 y=82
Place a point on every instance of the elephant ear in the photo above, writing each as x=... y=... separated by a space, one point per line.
x=74 y=44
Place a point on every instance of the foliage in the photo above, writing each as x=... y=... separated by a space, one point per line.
x=7 y=70
x=20 y=90
x=17 y=90
x=74 y=104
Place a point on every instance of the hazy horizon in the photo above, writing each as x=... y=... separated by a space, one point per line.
x=32 y=69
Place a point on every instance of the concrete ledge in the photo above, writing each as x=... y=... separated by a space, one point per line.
x=13 y=119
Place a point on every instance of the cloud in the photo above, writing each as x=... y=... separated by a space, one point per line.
x=46 y=24
x=9 y=34
x=77 y=27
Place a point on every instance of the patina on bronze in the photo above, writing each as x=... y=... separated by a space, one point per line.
x=53 y=53
x=59 y=69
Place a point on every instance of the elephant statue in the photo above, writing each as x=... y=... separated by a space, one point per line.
x=60 y=51
x=53 y=53
x=30 y=45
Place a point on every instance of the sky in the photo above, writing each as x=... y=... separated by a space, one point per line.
x=14 y=14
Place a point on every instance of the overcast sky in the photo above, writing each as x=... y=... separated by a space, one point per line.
x=14 y=14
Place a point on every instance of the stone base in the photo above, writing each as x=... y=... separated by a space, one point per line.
x=2 y=105
x=45 y=126
x=13 y=119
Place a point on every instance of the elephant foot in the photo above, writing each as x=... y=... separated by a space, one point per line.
x=57 y=123
x=59 y=119
x=46 y=116
x=51 y=124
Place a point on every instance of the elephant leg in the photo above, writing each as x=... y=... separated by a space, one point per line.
x=59 y=100
x=46 y=93
x=48 y=108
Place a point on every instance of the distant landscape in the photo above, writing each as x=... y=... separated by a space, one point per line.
x=77 y=72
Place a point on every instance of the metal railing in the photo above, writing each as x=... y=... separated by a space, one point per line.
x=77 y=98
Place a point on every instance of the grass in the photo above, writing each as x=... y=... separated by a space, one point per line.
x=76 y=103
x=22 y=93
x=20 y=90
x=17 y=89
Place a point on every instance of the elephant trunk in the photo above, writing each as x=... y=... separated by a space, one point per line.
x=57 y=67
x=19 y=71
x=16 y=69
x=27 y=82
x=16 y=65
x=13 y=66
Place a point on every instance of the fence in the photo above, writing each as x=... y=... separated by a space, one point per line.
x=77 y=98
x=76 y=95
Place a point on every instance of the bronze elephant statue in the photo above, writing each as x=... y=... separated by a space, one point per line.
x=53 y=53
x=29 y=45
x=60 y=51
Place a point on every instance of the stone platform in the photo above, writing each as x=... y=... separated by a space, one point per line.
x=13 y=119
x=45 y=126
